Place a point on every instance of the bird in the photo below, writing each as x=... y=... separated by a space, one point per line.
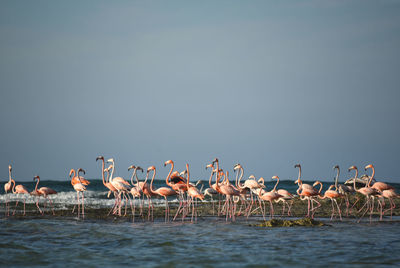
x=76 y=178
x=286 y=196
x=269 y=196
x=193 y=193
x=227 y=190
x=162 y=191
x=332 y=195
x=368 y=192
x=19 y=189
x=378 y=185
x=343 y=189
x=308 y=192
x=79 y=186
x=8 y=188
x=122 y=186
x=178 y=184
x=107 y=184
x=44 y=191
x=135 y=190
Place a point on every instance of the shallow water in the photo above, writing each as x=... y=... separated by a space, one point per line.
x=210 y=242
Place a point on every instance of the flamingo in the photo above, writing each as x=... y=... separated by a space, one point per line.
x=78 y=179
x=45 y=191
x=193 y=193
x=135 y=191
x=162 y=191
x=79 y=186
x=242 y=189
x=213 y=186
x=368 y=192
x=332 y=195
x=343 y=189
x=308 y=192
x=121 y=185
x=19 y=189
x=389 y=194
x=8 y=188
x=269 y=196
x=178 y=184
x=379 y=186
x=227 y=190
x=286 y=196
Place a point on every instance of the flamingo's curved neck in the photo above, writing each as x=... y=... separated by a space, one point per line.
x=187 y=176
x=226 y=180
x=241 y=186
x=212 y=173
x=13 y=188
x=37 y=183
x=337 y=178
x=299 y=174
x=276 y=184
x=102 y=172
x=152 y=179
x=372 y=177
x=355 y=178
x=169 y=175
x=9 y=175
x=217 y=177
x=112 y=172
x=133 y=174
x=320 y=187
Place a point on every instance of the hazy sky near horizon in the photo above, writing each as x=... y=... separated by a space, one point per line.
x=264 y=83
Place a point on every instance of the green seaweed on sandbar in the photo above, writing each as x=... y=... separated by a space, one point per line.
x=289 y=223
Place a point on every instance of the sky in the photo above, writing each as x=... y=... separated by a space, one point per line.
x=267 y=84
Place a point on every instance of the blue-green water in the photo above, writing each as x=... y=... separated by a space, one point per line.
x=210 y=243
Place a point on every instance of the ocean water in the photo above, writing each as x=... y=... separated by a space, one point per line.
x=209 y=243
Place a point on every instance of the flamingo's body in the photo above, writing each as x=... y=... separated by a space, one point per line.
x=43 y=191
x=308 y=192
x=19 y=189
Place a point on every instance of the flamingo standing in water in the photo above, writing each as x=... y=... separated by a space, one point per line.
x=45 y=191
x=106 y=183
x=79 y=183
x=308 y=192
x=179 y=186
x=19 y=189
x=368 y=192
x=286 y=196
x=123 y=187
x=269 y=196
x=162 y=191
x=135 y=191
x=342 y=189
x=332 y=195
x=193 y=193
x=8 y=188
x=227 y=190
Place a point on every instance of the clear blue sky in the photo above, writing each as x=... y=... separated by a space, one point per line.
x=264 y=83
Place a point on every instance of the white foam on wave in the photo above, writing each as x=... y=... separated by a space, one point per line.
x=63 y=200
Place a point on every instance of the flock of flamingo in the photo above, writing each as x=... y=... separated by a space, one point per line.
x=251 y=195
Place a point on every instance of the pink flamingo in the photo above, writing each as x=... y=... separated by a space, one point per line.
x=332 y=195
x=286 y=196
x=79 y=187
x=227 y=190
x=162 y=191
x=8 y=188
x=122 y=186
x=178 y=185
x=306 y=191
x=45 y=191
x=269 y=196
x=390 y=195
x=19 y=189
x=368 y=192
x=193 y=193
x=135 y=190
x=342 y=189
